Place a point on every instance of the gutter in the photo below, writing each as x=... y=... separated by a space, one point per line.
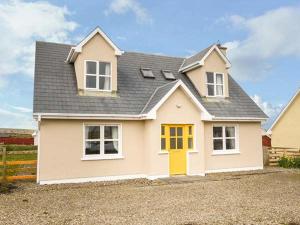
x=246 y=119
x=40 y=116
x=90 y=116
x=191 y=66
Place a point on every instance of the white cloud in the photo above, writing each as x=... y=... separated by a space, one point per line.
x=3 y=82
x=272 y=111
x=272 y=35
x=12 y=119
x=268 y=108
x=21 y=109
x=237 y=20
x=4 y=112
x=122 y=38
x=21 y=23
x=125 y=6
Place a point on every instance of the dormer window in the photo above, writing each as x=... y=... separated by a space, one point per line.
x=98 y=75
x=215 y=84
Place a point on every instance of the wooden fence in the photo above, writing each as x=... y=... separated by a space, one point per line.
x=18 y=165
x=275 y=153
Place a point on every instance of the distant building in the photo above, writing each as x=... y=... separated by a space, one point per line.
x=266 y=139
x=285 y=131
x=16 y=136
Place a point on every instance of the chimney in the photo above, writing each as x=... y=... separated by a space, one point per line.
x=222 y=48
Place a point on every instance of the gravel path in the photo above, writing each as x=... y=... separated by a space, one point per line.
x=272 y=197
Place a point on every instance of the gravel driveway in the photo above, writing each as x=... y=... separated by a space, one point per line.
x=268 y=197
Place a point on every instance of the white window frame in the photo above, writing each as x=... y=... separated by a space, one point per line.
x=215 y=84
x=97 y=75
x=225 y=151
x=102 y=156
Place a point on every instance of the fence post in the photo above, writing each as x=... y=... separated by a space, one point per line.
x=4 y=164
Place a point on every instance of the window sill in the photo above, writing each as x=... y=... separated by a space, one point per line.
x=167 y=152
x=97 y=90
x=215 y=96
x=226 y=152
x=163 y=152
x=102 y=158
x=193 y=151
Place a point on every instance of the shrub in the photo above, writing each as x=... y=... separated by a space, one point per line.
x=284 y=162
x=289 y=162
x=297 y=162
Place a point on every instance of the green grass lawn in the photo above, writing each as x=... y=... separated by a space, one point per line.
x=20 y=147
x=21 y=157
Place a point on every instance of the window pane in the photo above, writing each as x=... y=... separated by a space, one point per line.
x=210 y=90
x=179 y=143
x=219 y=78
x=163 y=143
x=217 y=132
x=179 y=131
x=162 y=130
x=92 y=147
x=92 y=132
x=190 y=143
x=218 y=144
x=172 y=143
x=190 y=130
x=104 y=68
x=104 y=83
x=111 y=132
x=210 y=77
x=91 y=67
x=230 y=143
x=230 y=131
x=147 y=73
x=219 y=90
x=168 y=75
x=111 y=147
x=172 y=131
x=90 y=81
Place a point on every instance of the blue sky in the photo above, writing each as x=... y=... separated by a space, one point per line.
x=262 y=38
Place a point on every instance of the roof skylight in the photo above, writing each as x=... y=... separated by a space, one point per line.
x=168 y=75
x=147 y=73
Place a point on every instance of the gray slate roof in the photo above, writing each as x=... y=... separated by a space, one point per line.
x=157 y=95
x=55 y=86
x=196 y=57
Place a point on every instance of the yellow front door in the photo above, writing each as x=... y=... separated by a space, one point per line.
x=177 y=149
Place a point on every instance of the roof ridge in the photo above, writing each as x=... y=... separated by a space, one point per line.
x=209 y=47
x=153 y=54
x=57 y=43
x=154 y=92
x=181 y=65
